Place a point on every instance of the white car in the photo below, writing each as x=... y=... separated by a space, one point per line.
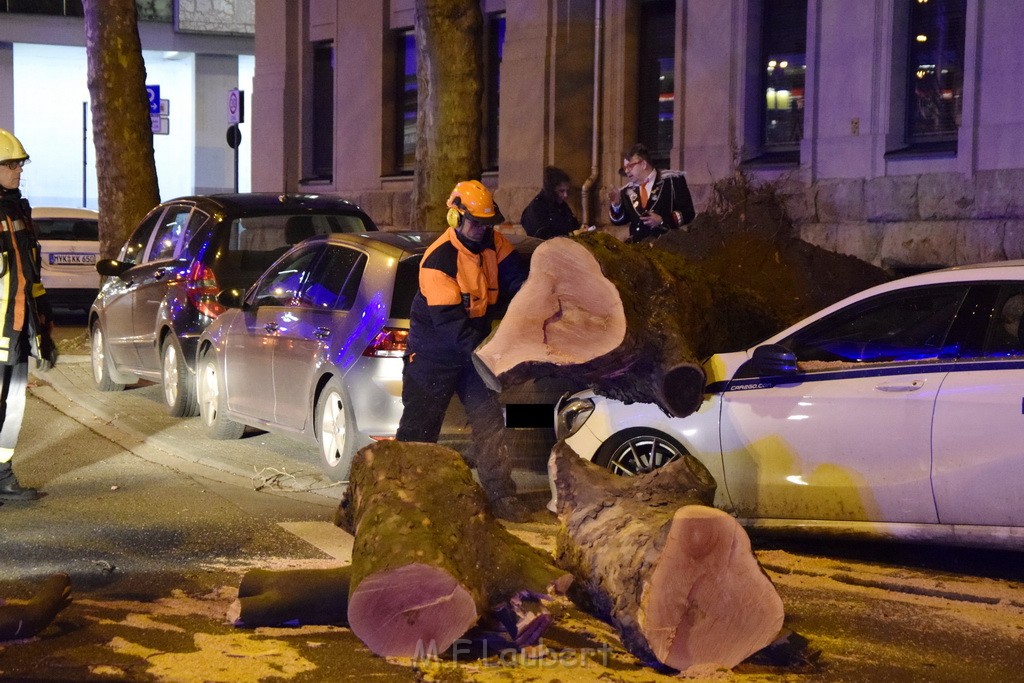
x=69 y=241
x=897 y=413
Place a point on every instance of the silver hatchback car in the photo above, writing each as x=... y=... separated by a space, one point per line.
x=314 y=349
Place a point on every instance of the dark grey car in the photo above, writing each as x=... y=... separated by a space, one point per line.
x=160 y=293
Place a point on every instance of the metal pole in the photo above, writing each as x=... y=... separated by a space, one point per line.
x=85 y=151
x=236 y=165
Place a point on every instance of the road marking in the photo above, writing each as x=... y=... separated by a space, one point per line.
x=323 y=536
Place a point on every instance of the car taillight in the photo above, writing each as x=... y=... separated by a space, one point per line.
x=391 y=342
x=201 y=290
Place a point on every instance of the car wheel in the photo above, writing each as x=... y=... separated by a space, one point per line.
x=179 y=385
x=101 y=371
x=639 y=451
x=211 y=401
x=332 y=431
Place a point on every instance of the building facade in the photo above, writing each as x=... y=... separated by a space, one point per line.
x=892 y=125
x=194 y=52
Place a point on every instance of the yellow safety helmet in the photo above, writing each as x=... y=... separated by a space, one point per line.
x=471 y=198
x=11 y=148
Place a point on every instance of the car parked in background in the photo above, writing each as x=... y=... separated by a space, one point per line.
x=315 y=348
x=69 y=246
x=160 y=292
x=896 y=412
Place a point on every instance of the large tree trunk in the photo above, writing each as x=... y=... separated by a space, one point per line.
x=630 y=321
x=678 y=579
x=125 y=168
x=449 y=76
x=429 y=558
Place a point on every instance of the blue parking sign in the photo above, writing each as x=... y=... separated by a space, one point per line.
x=153 y=92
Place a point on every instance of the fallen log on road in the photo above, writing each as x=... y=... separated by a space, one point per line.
x=677 y=578
x=429 y=558
x=630 y=321
x=292 y=597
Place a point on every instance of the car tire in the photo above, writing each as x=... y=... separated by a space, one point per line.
x=640 y=450
x=179 y=386
x=332 y=428
x=101 y=368
x=210 y=394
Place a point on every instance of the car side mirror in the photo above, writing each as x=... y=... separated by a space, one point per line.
x=231 y=298
x=112 y=267
x=770 y=359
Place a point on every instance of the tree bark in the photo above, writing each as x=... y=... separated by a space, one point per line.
x=429 y=559
x=630 y=321
x=449 y=122
x=125 y=167
x=678 y=579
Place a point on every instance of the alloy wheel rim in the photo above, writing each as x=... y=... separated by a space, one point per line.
x=98 y=357
x=332 y=429
x=209 y=394
x=642 y=454
x=170 y=374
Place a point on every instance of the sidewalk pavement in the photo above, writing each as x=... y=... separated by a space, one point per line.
x=137 y=420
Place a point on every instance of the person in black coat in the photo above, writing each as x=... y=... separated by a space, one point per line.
x=548 y=215
x=653 y=201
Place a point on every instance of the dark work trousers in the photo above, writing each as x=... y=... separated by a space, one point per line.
x=427 y=389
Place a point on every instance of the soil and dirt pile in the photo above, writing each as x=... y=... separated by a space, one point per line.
x=747 y=237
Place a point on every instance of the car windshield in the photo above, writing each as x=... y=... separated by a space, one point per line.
x=66 y=229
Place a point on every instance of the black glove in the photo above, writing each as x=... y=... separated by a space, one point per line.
x=48 y=353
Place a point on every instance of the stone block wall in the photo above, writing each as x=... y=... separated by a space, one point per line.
x=906 y=223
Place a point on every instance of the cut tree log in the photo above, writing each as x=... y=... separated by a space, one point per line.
x=677 y=578
x=292 y=597
x=429 y=558
x=627 y=320
x=26 y=619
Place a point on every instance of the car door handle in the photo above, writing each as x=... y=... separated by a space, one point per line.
x=322 y=332
x=913 y=385
x=271 y=327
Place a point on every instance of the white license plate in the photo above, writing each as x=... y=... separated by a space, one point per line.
x=72 y=259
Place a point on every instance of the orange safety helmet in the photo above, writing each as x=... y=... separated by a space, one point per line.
x=471 y=198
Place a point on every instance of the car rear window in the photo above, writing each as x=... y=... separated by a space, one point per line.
x=253 y=243
x=406 y=285
x=67 y=229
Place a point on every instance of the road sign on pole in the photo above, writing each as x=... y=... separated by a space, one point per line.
x=236 y=106
x=153 y=92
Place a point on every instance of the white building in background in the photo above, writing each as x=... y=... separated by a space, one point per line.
x=195 y=54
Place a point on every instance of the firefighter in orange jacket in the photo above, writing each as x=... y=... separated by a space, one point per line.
x=464 y=277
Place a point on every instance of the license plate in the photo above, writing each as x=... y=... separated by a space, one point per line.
x=72 y=259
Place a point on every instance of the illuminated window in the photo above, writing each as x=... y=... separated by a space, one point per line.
x=935 y=71
x=656 y=78
x=783 y=72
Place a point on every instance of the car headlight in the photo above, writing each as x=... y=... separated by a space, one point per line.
x=571 y=415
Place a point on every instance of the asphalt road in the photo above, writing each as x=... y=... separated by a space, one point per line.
x=156 y=525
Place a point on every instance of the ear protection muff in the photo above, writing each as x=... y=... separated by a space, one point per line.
x=454 y=217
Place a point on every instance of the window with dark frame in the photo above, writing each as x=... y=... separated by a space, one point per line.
x=783 y=73
x=492 y=68
x=406 y=91
x=656 y=78
x=935 y=72
x=321 y=139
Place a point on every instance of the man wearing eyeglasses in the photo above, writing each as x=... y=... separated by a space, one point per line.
x=653 y=201
x=25 y=315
